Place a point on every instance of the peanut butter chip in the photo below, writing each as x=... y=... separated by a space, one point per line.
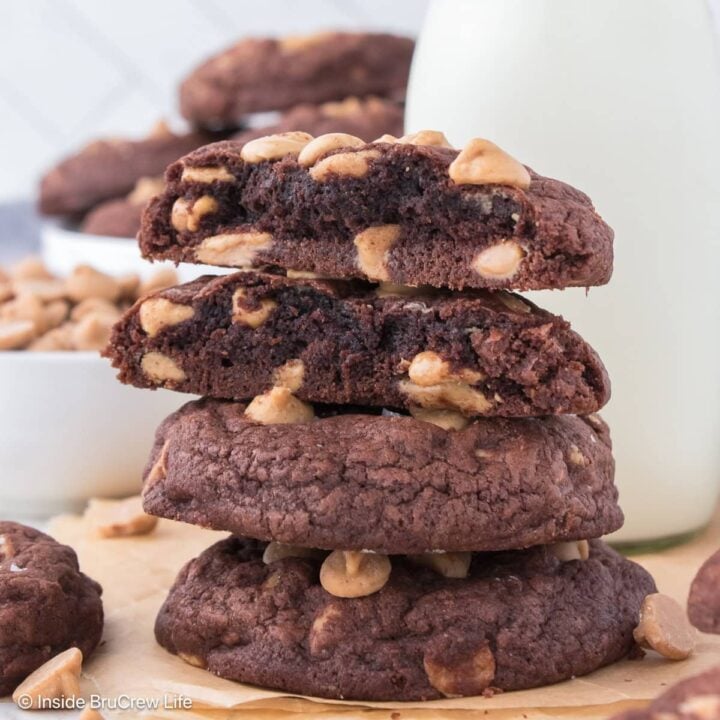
x=146 y=188
x=119 y=518
x=449 y=565
x=160 y=368
x=445 y=419
x=513 y=302
x=86 y=282
x=700 y=707
x=294 y=43
x=481 y=162
x=428 y=368
x=324 y=144
x=373 y=250
x=16 y=334
x=573 y=550
x=206 y=174
x=92 y=332
x=499 y=262
x=279 y=407
x=274 y=147
x=45 y=290
x=252 y=318
x=159 y=470
x=164 y=278
x=193 y=660
x=156 y=314
x=57 y=678
x=664 y=627
x=303 y=275
x=386 y=138
x=30 y=268
x=290 y=375
x=233 y=249
x=448 y=395
x=186 y=216
x=575 y=457
x=321 y=637
x=279 y=551
x=6 y=548
x=432 y=138
x=343 y=108
x=469 y=674
x=349 y=164
x=350 y=574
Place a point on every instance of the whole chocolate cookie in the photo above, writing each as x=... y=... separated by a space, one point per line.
x=704 y=599
x=518 y=620
x=411 y=211
x=107 y=169
x=368 y=118
x=121 y=217
x=391 y=484
x=46 y=604
x=261 y=74
x=478 y=352
x=695 y=698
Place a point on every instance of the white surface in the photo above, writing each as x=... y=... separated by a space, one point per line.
x=69 y=430
x=71 y=70
x=622 y=99
x=64 y=249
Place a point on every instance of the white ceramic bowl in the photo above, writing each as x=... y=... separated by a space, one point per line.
x=63 y=248
x=69 y=431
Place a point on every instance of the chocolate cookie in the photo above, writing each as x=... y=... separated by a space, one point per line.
x=261 y=74
x=518 y=620
x=479 y=353
x=46 y=604
x=392 y=484
x=405 y=211
x=121 y=217
x=107 y=169
x=704 y=599
x=367 y=118
x=695 y=698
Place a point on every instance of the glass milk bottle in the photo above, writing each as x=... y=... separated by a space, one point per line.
x=620 y=98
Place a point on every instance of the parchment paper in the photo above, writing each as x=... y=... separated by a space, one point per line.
x=136 y=573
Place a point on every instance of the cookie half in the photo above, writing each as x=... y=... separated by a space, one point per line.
x=695 y=698
x=704 y=599
x=263 y=74
x=46 y=604
x=391 y=484
x=397 y=211
x=518 y=620
x=479 y=353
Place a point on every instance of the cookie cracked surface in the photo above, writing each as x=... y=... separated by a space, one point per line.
x=520 y=619
x=355 y=480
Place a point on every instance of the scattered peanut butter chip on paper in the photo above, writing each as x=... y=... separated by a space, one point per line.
x=136 y=572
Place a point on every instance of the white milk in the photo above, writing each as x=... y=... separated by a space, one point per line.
x=621 y=98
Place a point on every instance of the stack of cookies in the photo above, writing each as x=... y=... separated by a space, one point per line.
x=407 y=455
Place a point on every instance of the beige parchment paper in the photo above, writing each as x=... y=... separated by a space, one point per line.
x=137 y=572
